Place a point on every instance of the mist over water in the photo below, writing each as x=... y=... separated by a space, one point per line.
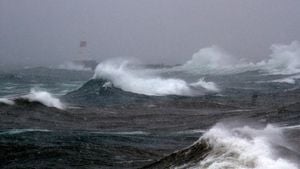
x=129 y=115
x=154 y=84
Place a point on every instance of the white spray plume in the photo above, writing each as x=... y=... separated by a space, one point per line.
x=285 y=59
x=208 y=59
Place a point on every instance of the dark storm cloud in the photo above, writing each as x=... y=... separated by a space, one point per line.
x=49 y=31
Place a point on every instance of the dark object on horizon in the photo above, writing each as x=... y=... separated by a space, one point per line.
x=254 y=99
x=83 y=44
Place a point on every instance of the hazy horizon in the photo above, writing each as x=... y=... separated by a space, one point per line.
x=37 y=33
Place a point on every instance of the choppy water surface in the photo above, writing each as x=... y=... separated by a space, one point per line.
x=129 y=116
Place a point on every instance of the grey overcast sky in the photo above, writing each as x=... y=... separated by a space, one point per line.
x=41 y=32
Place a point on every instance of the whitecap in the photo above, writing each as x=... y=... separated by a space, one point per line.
x=45 y=98
x=284 y=59
x=143 y=82
x=243 y=148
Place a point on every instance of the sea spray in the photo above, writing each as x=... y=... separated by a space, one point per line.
x=143 y=82
x=210 y=86
x=243 y=148
x=45 y=98
x=284 y=59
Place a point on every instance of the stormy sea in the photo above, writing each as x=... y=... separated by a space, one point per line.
x=211 y=112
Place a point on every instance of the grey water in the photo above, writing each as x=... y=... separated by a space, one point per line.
x=108 y=127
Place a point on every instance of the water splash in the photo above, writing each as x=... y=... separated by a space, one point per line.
x=45 y=98
x=144 y=82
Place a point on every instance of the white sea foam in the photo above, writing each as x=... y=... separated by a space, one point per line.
x=144 y=82
x=285 y=59
x=45 y=98
x=6 y=101
x=244 y=148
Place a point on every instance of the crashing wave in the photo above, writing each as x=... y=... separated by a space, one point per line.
x=44 y=98
x=239 y=148
x=285 y=59
x=141 y=81
x=35 y=96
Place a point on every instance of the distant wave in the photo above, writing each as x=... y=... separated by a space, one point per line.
x=142 y=82
x=285 y=59
x=42 y=97
x=239 y=147
x=19 y=131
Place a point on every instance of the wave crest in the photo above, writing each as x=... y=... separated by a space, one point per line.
x=144 y=82
x=232 y=147
x=244 y=148
x=45 y=98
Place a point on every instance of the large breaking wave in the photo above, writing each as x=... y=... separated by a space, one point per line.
x=233 y=147
x=36 y=96
x=45 y=98
x=138 y=80
x=245 y=148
